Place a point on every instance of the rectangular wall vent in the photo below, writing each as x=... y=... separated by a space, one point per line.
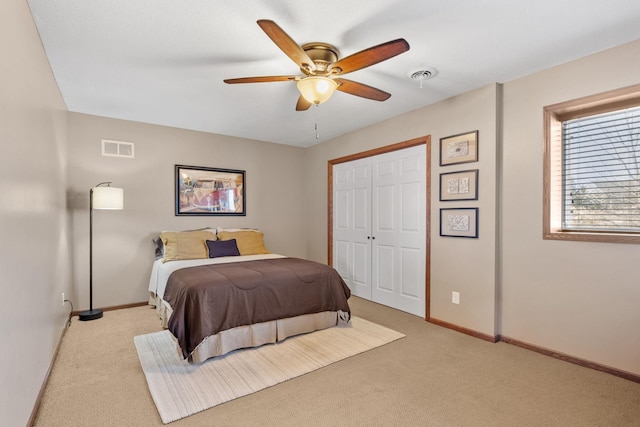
x=117 y=148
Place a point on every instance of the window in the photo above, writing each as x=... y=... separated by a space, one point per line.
x=592 y=168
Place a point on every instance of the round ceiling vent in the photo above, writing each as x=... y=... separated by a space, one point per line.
x=421 y=74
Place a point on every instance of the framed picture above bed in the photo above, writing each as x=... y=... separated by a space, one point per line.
x=209 y=191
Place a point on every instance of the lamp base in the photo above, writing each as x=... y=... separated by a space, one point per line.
x=90 y=314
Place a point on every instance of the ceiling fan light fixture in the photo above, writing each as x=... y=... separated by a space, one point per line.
x=317 y=89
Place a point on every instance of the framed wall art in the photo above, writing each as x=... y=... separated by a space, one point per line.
x=460 y=222
x=461 y=148
x=209 y=191
x=462 y=185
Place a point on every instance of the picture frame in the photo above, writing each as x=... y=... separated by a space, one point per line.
x=460 y=148
x=459 y=222
x=209 y=191
x=460 y=185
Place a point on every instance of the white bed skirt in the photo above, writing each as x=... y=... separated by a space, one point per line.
x=251 y=335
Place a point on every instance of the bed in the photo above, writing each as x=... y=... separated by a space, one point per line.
x=220 y=290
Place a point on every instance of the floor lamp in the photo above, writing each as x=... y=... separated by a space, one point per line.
x=102 y=196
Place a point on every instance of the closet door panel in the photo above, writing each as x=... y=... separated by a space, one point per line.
x=411 y=235
x=361 y=214
x=410 y=220
x=361 y=279
x=352 y=225
x=342 y=259
x=410 y=285
x=400 y=220
x=383 y=278
x=384 y=209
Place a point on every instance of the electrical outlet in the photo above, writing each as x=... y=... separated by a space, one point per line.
x=455 y=297
x=63 y=299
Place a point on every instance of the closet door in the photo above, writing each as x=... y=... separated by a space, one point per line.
x=379 y=227
x=352 y=225
x=398 y=219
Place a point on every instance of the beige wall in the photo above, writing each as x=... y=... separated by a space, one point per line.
x=123 y=252
x=35 y=240
x=578 y=298
x=476 y=282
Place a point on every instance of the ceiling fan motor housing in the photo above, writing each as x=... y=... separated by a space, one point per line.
x=322 y=55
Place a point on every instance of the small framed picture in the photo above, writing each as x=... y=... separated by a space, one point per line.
x=460 y=222
x=209 y=191
x=462 y=185
x=461 y=148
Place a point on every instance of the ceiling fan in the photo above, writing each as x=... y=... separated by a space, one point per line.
x=321 y=66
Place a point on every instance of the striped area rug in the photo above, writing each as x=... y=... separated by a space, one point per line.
x=180 y=389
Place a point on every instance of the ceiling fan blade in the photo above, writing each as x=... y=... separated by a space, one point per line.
x=362 y=90
x=303 y=104
x=370 y=56
x=286 y=44
x=261 y=79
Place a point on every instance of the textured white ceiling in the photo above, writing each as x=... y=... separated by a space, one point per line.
x=164 y=61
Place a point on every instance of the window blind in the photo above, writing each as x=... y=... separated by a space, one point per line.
x=601 y=172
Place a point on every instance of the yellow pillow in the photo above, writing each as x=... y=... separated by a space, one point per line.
x=250 y=242
x=180 y=245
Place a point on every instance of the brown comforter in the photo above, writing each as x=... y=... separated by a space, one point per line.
x=211 y=298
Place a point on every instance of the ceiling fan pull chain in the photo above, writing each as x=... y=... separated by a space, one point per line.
x=316 y=121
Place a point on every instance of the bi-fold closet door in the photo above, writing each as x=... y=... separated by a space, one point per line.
x=379 y=227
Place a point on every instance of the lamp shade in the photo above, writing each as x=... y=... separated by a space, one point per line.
x=317 y=89
x=108 y=198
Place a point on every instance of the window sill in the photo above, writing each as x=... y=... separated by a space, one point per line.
x=583 y=236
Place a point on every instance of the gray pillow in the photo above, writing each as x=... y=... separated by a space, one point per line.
x=159 y=246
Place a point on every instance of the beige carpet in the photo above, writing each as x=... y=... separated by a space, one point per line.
x=433 y=377
x=180 y=389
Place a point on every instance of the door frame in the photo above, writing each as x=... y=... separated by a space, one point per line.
x=426 y=140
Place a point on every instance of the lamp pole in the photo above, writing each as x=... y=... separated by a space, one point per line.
x=91 y=314
x=91 y=249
